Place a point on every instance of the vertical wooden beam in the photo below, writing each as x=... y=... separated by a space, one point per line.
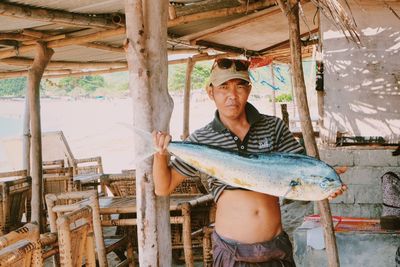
x=273 y=90
x=156 y=18
x=187 y=238
x=42 y=58
x=291 y=9
x=26 y=139
x=146 y=47
x=285 y=114
x=186 y=98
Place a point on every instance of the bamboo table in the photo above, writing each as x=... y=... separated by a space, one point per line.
x=184 y=203
x=127 y=205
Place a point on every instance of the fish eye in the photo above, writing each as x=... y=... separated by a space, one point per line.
x=329 y=179
x=295 y=182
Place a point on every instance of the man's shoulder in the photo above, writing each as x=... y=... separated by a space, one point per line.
x=268 y=120
x=204 y=131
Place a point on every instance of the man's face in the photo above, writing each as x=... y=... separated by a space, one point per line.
x=230 y=97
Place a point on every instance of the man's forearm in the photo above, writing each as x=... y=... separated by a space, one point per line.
x=161 y=175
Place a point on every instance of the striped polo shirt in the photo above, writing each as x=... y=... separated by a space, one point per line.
x=266 y=134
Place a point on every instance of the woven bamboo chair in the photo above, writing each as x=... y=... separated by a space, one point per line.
x=53 y=164
x=103 y=245
x=57 y=180
x=75 y=238
x=195 y=217
x=15 y=190
x=87 y=173
x=21 y=248
x=123 y=185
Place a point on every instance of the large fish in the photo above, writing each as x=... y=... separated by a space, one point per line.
x=287 y=175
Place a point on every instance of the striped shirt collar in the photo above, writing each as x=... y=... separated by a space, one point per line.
x=252 y=115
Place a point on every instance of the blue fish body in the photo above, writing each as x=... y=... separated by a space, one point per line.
x=288 y=175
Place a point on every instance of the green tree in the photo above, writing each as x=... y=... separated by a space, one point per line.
x=87 y=83
x=13 y=87
x=68 y=83
x=177 y=74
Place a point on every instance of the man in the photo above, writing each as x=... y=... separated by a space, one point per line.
x=248 y=228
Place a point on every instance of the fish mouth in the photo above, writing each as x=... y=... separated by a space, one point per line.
x=328 y=184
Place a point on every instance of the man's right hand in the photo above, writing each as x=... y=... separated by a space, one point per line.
x=161 y=141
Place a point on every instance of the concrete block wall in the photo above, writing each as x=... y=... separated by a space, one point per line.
x=363 y=177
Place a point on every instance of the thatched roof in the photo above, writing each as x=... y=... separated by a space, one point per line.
x=89 y=34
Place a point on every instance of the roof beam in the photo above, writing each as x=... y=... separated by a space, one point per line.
x=224 y=12
x=15 y=36
x=56 y=16
x=105 y=47
x=60 y=73
x=285 y=43
x=26 y=62
x=76 y=40
x=201 y=57
x=227 y=48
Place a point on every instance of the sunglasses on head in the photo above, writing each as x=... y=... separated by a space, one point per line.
x=226 y=63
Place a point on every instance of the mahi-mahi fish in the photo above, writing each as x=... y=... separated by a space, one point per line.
x=287 y=175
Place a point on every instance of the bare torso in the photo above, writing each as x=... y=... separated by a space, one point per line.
x=247 y=216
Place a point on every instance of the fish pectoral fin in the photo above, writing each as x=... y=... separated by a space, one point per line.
x=292 y=186
x=284 y=196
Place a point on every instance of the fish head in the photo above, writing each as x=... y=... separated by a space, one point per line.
x=316 y=188
x=330 y=183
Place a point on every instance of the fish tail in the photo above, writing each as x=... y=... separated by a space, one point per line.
x=147 y=147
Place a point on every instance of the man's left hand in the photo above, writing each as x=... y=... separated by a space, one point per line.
x=338 y=192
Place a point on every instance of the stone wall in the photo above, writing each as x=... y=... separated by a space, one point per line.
x=363 y=177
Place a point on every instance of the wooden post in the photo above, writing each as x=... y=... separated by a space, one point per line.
x=273 y=90
x=187 y=238
x=285 y=114
x=147 y=62
x=42 y=58
x=186 y=98
x=292 y=12
x=26 y=139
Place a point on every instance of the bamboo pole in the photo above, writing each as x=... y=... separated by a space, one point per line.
x=42 y=57
x=292 y=12
x=186 y=98
x=224 y=12
x=55 y=16
x=147 y=63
